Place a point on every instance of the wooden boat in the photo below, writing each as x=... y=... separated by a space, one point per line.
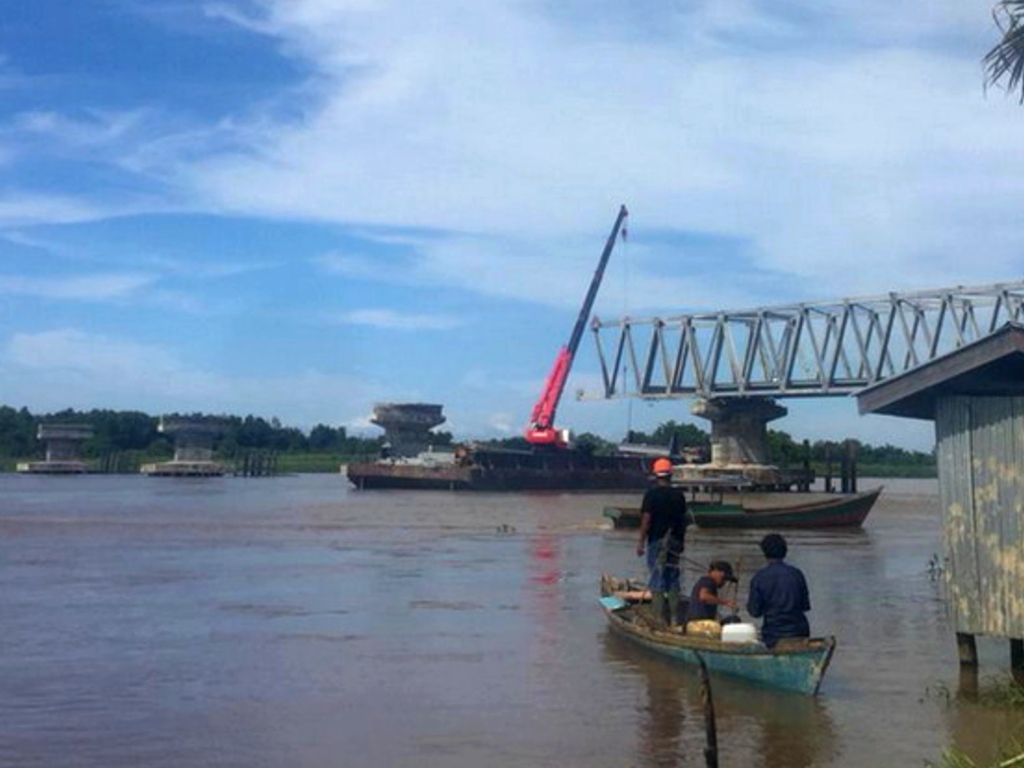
x=799 y=666
x=847 y=510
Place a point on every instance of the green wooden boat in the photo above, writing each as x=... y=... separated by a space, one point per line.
x=846 y=510
x=798 y=667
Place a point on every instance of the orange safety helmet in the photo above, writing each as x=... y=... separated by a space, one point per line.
x=662 y=468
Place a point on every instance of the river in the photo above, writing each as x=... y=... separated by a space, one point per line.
x=295 y=622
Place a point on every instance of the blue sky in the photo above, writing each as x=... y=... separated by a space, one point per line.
x=297 y=208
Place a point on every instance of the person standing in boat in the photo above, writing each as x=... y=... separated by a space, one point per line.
x=778 y=594
x=663 y=522
x=704 y=599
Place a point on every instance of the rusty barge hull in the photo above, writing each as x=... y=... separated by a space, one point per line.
x=508 y=471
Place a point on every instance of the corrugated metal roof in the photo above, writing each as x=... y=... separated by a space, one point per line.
x=993 y=365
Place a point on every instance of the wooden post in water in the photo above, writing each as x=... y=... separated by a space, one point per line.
x=967 y=649
x=710 y=731
x=851 y=453
x=828 y=468
x=805 y=482
x=1017 y=659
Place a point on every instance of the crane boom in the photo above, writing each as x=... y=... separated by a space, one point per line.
x=541 y=431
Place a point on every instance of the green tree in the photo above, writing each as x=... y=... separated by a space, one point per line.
x=685 y=435
x=783 y=450
x=441 y=438
x=254 y=432
x=18 y=434
x=325 y=438
x=588 y=441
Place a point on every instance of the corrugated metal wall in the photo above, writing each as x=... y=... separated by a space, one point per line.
x=980 y=444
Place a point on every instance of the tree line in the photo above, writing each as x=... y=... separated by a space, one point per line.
x=134 y=431
x=783 y=449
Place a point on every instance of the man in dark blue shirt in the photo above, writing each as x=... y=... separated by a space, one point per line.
x=778 y=593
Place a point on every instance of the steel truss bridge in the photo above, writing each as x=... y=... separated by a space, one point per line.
x=797 y=350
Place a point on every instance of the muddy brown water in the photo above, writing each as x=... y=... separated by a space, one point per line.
x=295 y=622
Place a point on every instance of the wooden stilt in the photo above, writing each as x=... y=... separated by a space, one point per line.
x=968 y=682
x=967 y=649
x=1017 y=659
x=828 y=468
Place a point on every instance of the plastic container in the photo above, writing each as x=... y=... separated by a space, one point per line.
x=739 y=633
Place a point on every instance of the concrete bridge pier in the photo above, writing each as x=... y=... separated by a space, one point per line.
x=193 y=448
x=407 y=426
x=739 y=428
x=63 y=442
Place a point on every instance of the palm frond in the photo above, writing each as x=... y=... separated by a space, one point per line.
x=1006 y=60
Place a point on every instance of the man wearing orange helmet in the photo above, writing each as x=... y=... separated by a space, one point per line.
x=663 y=522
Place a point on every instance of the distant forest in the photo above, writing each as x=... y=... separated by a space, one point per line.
x=136 y=434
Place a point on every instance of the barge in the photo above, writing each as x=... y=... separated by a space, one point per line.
x=505 y=470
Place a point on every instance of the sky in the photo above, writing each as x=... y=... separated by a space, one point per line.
x=298 y=208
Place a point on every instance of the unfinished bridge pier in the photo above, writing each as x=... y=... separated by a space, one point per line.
x=193 y=448
x=739 y=428
x=407 y=427
x=63 y=443
x=739 y=442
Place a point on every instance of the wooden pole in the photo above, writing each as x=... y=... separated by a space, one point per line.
x=851 y=448
x=805 y=483
x=828 y=468
x=1017 y=659
x=710 y=731
x=967 y=649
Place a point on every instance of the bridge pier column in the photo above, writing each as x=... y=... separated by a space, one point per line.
x=407 y=426
x=739 y=428
x=193 y=447
x=62 y=445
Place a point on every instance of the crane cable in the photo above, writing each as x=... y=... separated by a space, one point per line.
x=625 y=248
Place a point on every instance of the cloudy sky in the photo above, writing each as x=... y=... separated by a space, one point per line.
x=297 y=208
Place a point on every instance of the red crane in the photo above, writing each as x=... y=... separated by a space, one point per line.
x=542 y=431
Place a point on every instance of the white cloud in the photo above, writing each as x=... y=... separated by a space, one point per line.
x=360 y=266
x=80 y=287
x=100 y=129
x=834 y=163
x=70 y=368
x=18 y=209
x=836 y=140
x=827 y=149
x=395 y=321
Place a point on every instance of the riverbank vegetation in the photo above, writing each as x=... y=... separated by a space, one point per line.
x=124 y=440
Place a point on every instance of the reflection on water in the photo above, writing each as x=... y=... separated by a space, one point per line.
x=976 y=725
x=293 y=622
x=757 y=726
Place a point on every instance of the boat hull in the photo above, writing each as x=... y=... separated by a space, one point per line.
x=838 y=511
x=845 y=511
x=508 y=471
x=799 y=669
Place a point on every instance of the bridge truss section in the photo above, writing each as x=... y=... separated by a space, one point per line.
x=799 y=350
